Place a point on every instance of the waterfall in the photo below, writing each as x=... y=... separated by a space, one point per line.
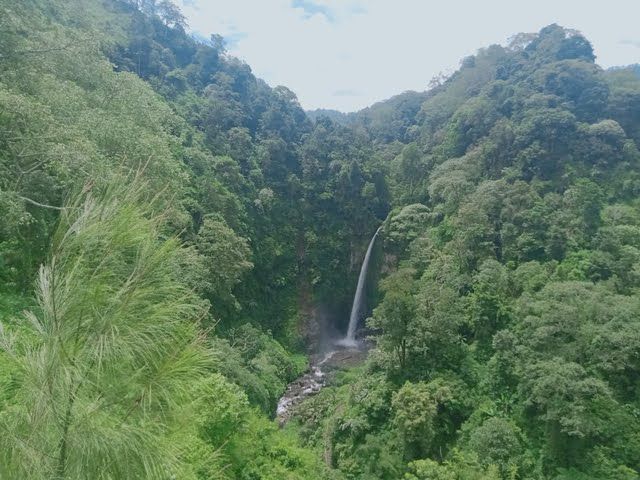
x=357 y=299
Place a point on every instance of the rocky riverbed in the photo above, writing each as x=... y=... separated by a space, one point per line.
x=318 y=375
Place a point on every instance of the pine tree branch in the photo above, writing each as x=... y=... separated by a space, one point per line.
x=38 y=204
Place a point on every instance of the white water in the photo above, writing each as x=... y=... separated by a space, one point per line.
x=315 y=379
x=356 y=308
x=309 y=384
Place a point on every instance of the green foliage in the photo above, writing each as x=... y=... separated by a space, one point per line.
x=113 y=352
x=226 y=439
x=258 y=364
x=414 y=411
x=396 y=316
x=515 y=276
x=460 y=468
x=84 y=98
x=226 y=259
x=497 y=442
x=505 y=339
x=405 y=226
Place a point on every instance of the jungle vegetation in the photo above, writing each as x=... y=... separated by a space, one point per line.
x=171 y=226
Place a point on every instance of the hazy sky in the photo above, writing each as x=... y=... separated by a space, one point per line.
x=348 y=54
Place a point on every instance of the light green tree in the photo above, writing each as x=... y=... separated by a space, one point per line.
x=108 y=355
x=395 y=316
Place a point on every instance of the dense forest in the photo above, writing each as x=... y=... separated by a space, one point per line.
x=177 y=236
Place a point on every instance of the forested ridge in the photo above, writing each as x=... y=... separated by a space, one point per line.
x=177 y=236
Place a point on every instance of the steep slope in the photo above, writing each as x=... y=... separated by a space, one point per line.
x=195 y=224
x=213 y=161
x=239 y=144
x=506 y=342
x=301 y=210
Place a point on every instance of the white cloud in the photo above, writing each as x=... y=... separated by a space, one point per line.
x=378 y=48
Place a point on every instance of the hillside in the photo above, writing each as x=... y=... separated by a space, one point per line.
x=178 y=235
x=505 y=344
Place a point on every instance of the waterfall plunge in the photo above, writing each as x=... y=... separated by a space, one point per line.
x=356 y=308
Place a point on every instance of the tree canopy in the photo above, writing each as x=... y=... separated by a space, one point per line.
x=177 y=235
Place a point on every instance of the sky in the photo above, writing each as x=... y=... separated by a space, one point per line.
x=349 y=54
